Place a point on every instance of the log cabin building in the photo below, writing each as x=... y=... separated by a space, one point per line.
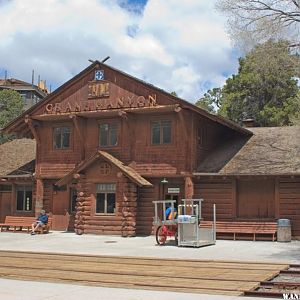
x=108 y=144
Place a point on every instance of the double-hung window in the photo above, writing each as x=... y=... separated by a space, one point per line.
x=106 y=198
x=24 y=198
x=61 y=137
x=161 y=132
x=108 y=134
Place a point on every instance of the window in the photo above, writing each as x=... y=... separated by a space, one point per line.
x=106 y=198
x=202 y=135
x=5 y=188
x=61 y=137
x=108 y=135
x=24 y=198
x=161 y=132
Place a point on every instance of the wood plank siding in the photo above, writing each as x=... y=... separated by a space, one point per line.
x=216 y=191
x=289 y=202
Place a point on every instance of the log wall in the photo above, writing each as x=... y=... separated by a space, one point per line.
x=145 y=209
x=123 y=222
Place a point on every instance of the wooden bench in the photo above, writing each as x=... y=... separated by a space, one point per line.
x=240 y=228
x=17 y=223
x=45 y=228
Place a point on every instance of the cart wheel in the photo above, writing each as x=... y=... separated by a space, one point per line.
x=160 y=236
x=176 y=238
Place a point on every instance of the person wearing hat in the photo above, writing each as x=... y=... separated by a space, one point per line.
x=39 y=222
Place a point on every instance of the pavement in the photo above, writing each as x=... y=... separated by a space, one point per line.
x=65 y=242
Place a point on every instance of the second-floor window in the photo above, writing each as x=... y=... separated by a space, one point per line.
x=61 y=137
x=161 y=132
x=108 y=134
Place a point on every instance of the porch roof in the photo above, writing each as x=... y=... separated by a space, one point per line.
x=126 y=170
x=17 y=158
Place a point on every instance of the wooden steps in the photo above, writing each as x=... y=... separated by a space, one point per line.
x=194 y=276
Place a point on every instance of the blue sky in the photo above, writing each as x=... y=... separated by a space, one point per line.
x=177 y=45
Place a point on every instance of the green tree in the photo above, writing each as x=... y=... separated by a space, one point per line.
x=11 y=106
x=211 y=100
x=265 y=87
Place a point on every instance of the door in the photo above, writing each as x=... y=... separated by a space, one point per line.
x=256 y=199
x=61 y=215
x=173 y=197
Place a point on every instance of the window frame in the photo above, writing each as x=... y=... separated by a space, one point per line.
x=106 y=192
x=161 y=134
x=110 y=123
x=24 y=189
x=53 y=137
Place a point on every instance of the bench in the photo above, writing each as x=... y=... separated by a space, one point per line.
x=17 y=223
x=240 y=228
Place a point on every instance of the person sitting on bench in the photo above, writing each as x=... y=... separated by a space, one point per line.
x=40 y=221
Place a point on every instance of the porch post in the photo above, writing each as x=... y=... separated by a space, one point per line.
x=189 y=193
x=189 y=188
x=39 y=201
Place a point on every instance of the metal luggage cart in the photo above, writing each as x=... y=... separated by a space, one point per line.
x=190 y=233
x=165 y=227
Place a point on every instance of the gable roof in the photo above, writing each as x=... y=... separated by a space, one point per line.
x=17 y=157
x=126 y=170
x=270 y=151
x=96 y=64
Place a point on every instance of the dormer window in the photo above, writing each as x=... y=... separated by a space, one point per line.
x=61 y=137
x=161 y=132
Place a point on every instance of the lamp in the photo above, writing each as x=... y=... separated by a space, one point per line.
x=164 y=181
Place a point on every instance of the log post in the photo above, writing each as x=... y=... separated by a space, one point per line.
x=39 y=197
x=188 y=192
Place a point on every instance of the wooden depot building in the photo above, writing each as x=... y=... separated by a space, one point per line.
x=96 y=152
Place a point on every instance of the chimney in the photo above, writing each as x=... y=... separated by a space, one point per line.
x=249 y=123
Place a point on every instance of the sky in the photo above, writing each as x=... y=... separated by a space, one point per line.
x=176 y=45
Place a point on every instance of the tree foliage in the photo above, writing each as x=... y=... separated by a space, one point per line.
x=211 y=100
x=256 y=21
x=265 y=87
x=11 y=106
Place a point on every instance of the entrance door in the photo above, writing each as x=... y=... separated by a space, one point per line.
x=173 y=197
x=256 y=198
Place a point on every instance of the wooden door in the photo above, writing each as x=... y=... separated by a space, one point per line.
x=5 y=205
x=256 y=198
x=61 y=215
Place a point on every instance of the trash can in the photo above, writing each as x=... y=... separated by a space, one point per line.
x=284 y=233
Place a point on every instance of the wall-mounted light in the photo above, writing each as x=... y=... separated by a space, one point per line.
x=164 y=181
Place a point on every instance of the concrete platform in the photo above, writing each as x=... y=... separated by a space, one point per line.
x=66 y=242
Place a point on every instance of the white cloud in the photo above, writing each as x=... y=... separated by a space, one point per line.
x=178 y=45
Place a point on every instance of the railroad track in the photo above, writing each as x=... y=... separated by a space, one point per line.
x=193 y=276
x=287 y=281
